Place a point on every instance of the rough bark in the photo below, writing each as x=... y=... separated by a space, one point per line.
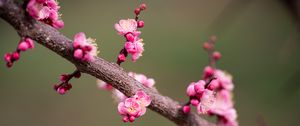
x=13 y=12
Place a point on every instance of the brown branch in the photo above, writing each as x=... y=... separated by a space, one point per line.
x=13 y=13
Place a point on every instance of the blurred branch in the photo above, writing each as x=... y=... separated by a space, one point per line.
x=13 y=13
x=294 y=7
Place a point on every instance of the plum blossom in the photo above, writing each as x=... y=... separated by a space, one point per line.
x=200 y=97
x=135 y=48
x=148 y=82
x=207 y=101
x=129 y=29
x=224 y=79
x=45 y=11
x=134 y=107
x=84 y=49
x=126 y=26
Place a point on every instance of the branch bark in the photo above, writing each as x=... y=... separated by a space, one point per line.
x=13 y=12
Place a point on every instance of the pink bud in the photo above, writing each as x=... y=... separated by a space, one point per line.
x=77 y=75
x=9 y=64
x=55 y=87
x=87 y=48
x=213 y=84
x=16 y=56
x=194 y=102
x=208 y=72
x=137 y=11
x=143 y=6
x=199 y=88
x=186 y=109
x=23 y=46
x=129 y=37
x=30 y=43
x=122 y=57
x=64 y=77
x=131 y=118
x=190 y=91
x=58 y=24
x=216 y=55
x=7 y=57
x=78 y=54
x=206 y=46
x=140 y=24
x=61 y=90
x=68 y=86
x=125 y=119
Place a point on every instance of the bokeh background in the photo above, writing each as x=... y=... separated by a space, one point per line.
x=259 y=40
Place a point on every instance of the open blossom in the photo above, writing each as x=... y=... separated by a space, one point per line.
x=207 y=101
x=134 y=107
x=126 y=26
x=224 y=79
x=46 y=11
x=84 y=49
x=135 y=48
x=148 y=82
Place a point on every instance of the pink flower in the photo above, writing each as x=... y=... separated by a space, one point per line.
x=130 y=106
x=135 y=48
x=126 y=26
x=26 y=44
x=207 y=101
x=229 y=118
x=46 y=11
x=223 y=103
x=148 y=82
x=208 y=72
x=103 y=85
x=224 y=79
x=134 y=107
x=84 y=49
x=142 y=98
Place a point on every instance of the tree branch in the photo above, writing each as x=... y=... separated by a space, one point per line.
x=13 y=13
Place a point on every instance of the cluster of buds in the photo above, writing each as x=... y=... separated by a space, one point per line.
x=24 y=45
x=134 y=107
x=64 y=86
x=85 y=49
x=45 y=11
x=119 y=96
x=200 y=97
x=129 y=29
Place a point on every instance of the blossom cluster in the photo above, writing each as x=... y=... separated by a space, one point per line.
x=45 y=11
x=213 y=94
x=223 y=107
x=200 y=97
x=24 y=45
x=134 y=107
x=85 y=49
x=64 y=86
x=129 y=29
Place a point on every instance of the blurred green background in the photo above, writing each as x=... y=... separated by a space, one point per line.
x=259 y=40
